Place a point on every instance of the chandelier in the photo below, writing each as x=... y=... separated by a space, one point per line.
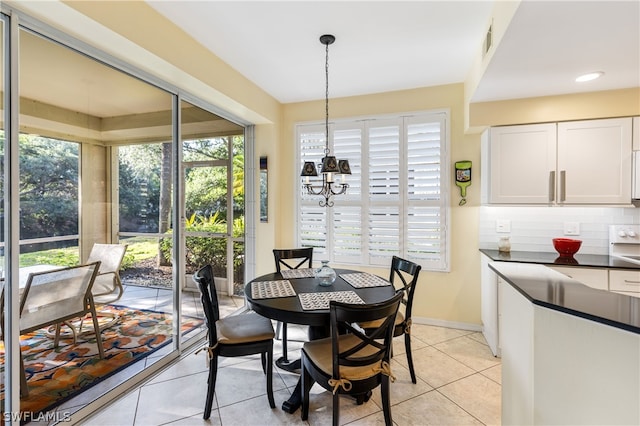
x=329 y=167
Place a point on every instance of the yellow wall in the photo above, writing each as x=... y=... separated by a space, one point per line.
x=452 y=296
x=579 y=106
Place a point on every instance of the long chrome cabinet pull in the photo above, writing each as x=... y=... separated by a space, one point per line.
x=563 y=185
x=632 y=282
x=552 y=185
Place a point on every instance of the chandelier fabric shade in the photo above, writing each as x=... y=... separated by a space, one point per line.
x=330 y=166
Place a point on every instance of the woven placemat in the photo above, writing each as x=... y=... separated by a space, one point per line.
x=271 y=289
x=364 y=280
x=298 y=273
x=320 y=300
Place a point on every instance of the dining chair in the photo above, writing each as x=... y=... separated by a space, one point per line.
x=407 y=273
x=233 y=336
x=354 y=362
x=290 y=259
x=53 y=298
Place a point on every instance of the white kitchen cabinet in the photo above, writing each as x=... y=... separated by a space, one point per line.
x=489 y=305
x=592 y=277
x=627 y=282
x=570 y=163
x=521 y=161
x=594 y=162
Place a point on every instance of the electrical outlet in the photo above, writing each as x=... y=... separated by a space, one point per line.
x=503 y=225
x=571 y=228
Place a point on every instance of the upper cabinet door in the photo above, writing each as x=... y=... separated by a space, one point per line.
x=594 y=162
x=522 y=164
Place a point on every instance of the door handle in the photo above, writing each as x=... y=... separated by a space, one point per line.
x=563 y=185
x=552 y=185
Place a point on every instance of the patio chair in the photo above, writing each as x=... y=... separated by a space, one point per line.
x=407 y=272
x=107 y=287
x=233 y=336
x=352 y=363
x=54 y=298
x=290 y=259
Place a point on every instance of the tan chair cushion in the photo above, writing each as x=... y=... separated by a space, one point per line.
x=244 y=328
x=377 y=323
x=319 y=351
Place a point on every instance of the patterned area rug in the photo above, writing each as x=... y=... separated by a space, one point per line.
x=55 y=375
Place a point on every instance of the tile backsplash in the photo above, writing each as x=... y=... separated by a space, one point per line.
x=532 y=228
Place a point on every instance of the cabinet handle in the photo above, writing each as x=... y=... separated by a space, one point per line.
x=632 y=282
x=552 y=185
x=563 y=185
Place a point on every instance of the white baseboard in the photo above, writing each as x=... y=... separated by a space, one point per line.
x=447 y=324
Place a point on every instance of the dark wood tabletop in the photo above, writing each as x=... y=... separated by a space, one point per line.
x=289 y=309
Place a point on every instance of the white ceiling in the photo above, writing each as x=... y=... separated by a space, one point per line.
x=393 y=45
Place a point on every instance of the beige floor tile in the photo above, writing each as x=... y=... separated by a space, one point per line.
x=213 y=420
x=256 y=411
x=431 y=408
x=403 y=388
x=478 y=395
x=243 y=381
x=435 y=367
x=432 y=335
x=321 y=408
x=470 y=352
x=121 y=412
x=494 y=373
x=398 y=345
x=172 y=400
x=188 y=365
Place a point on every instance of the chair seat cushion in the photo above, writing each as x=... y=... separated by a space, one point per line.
x=319 y=352
x=367 y=325
x=243 y=328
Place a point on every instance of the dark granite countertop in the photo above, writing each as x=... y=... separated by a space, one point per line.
x=545 y=258
x=551 y=289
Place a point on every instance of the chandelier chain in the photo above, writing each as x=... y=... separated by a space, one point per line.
x=326 y=99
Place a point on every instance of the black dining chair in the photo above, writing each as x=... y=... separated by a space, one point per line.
x=352 y=361
x=290 y=259
x=407 y=273
x=233 y=336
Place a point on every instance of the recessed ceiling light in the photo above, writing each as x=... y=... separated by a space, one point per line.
x=590 y=76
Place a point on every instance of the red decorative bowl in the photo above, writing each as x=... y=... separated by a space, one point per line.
x=566 y=246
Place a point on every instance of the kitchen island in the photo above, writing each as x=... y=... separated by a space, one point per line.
x=570 y=353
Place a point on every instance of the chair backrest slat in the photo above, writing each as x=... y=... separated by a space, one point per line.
x=289 y=257
x=365 y=349
x=407 y=272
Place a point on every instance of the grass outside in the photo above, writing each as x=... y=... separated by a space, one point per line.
x=138 y=250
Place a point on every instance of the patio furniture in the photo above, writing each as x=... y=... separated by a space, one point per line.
x=107 y=287
x=54 y=297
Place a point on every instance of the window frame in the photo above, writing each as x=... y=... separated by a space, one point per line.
x=304 y=204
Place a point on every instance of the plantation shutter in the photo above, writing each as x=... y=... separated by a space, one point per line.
x=396 y=203
x=425 y=225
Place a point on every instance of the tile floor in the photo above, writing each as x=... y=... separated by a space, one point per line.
x=459 y=383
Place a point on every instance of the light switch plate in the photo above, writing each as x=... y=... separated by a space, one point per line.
x=571 y=228
x=503 y=225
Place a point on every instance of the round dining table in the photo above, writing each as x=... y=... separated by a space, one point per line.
x=289 y=309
